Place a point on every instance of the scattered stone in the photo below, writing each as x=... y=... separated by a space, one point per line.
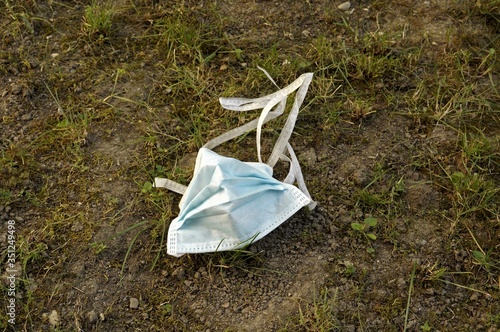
x=350 y=328
x=401 y=282
x=77 y=227
x=26 y=117
x=309 y=156
x=473 y=297
x=134 y=303
x=16 y=89
x=178 y=273
x=78 y=268
x=101 y=317
x=361 y=176
x=31 y=285
x=54 y=319
x=344 y=6
x=92 y=317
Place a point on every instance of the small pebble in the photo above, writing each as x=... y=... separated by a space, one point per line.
x=54 y=318
x=77 y=227
x=16 y=89
x=92 y=316
x=345 y=6
x=178 y=272
x=134 y=303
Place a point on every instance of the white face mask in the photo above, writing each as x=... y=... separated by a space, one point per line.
x=230 y=203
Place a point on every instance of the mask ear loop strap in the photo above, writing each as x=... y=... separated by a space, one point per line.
x=295 y=167
x=170 y=185
x=242 y=105
x=301 y=83
x=295 y=173
x=286 y=132
x=267 y=103
x=248 y=104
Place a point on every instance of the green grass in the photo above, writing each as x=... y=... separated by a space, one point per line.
x=363 y=228
x=97 y=21
x=316 y=315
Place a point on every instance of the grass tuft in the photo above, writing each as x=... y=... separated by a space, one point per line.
x=97 y=21
x=316 y=316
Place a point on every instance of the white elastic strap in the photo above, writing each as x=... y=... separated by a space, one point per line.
x=229 y=135
x=263 y=116
x=294 y=173
x=170 y=185
x=303 y=83
x=266 y=103
x=286 y=132
x=290 y=178
x=298 y=175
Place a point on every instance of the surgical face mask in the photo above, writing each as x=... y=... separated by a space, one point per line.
x=230 y=203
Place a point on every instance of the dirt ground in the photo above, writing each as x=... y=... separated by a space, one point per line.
x=400 y=124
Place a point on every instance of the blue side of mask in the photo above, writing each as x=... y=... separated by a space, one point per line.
x=228 y=202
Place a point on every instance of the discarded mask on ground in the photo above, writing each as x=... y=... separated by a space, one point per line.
x=230 y=203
